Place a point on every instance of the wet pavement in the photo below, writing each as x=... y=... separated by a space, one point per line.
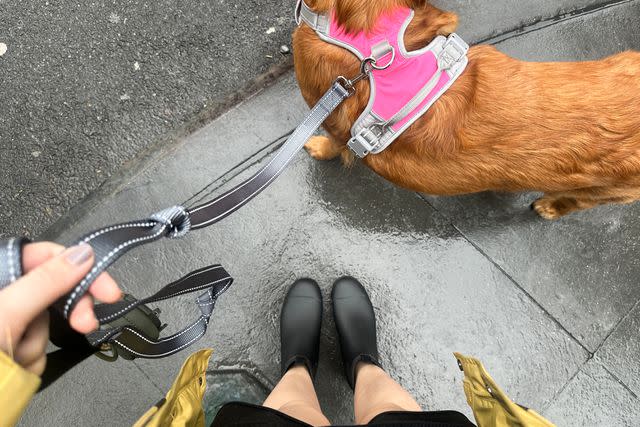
x=552 y=308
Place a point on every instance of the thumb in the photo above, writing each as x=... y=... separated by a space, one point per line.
x=30 y=295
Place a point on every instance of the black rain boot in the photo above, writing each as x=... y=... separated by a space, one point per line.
x=356 y=325
x=300 y=322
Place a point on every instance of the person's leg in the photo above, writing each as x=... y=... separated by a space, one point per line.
x=376 y=392
x=295 y=396
x=300 y=322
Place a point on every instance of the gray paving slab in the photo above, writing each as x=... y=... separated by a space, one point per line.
x=595 y=398
x=95 y=393
x=434 y=293
x=583 y=269
x=621 y=349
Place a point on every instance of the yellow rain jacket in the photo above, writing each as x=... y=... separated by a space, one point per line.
x=182 y=405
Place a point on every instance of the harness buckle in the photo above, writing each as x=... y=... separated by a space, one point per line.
x=364 y=142
x=453 y=50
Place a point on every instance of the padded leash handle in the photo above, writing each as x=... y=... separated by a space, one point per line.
x=138 y=338
x=132 y=341
x=129 y=327
x=213 y=280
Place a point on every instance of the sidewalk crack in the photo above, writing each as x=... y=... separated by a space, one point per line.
x=615 y=377
x=510 y=278
x=617 y=325
x=544 y=22
x=237 y=170
x=550 y=401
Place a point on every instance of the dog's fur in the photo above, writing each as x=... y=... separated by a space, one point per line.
x=571 y=130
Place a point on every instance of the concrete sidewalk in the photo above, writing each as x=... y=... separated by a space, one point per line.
x=551 y=308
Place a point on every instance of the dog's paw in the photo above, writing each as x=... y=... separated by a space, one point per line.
x=547 y=208
x=322 y=148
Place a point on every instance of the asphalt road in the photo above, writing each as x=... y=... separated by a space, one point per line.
x=85 y=87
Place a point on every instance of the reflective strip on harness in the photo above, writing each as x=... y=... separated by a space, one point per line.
x=402 y=90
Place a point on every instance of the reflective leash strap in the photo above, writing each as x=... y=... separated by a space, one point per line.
x=110 y=243
x=218 y=209
x=214 y=280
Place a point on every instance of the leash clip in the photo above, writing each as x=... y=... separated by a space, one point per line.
x=366 y=67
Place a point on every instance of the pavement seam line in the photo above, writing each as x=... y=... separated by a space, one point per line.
x=617 y=325
x=601 y=362
x=544 y=22
x=606 y=338
x=144 y=374
x=622 y=383
x=561 y=390
x=511 y=279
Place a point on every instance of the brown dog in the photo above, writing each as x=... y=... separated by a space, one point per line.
x=571 y=130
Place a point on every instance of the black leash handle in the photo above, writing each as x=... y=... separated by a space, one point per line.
x=213 y=280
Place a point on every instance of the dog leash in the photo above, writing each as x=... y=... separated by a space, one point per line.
x=112 y=242
x=140 y=338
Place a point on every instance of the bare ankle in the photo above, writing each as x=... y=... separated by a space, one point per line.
x=299 y=370
x=366 y=368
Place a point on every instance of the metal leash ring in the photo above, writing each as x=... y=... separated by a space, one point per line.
x=373 y=61
x=366 y=67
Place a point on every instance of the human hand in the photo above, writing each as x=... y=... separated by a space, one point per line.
x=51 y=272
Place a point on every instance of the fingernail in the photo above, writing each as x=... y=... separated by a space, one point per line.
x=80 y=254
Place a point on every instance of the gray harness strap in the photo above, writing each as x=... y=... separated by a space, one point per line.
x=319 y=22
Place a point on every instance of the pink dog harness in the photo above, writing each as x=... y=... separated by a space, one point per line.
x=404 y=85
